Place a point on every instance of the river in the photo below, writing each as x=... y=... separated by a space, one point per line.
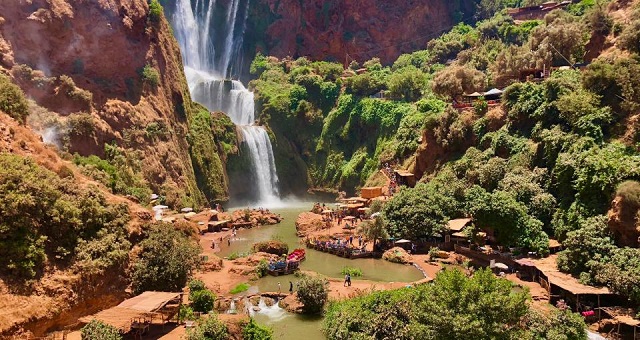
x=288 y=326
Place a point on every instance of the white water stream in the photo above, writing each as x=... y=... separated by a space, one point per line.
x=209 y=66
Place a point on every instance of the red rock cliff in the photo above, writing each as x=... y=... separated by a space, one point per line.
x=84 y=58
x=363 y=29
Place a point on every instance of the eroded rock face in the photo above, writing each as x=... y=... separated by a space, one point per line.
x=86 y=59
x=623 y=223
x=331 y=29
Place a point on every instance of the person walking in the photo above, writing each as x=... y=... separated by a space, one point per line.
x=346 y=279
x=349 y=279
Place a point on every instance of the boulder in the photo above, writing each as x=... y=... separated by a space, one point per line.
x=397 y=255
x=271 y=247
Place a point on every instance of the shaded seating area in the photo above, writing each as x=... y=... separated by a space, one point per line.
x=136 y=315
x=621 y=322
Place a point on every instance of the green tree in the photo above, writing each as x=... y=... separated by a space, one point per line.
x=166 y=262
x=453 y=307
x=374 y=230
x=480 y=307
x=202 y=300
x=407 y=84
x=209 y=328
x=98 y=330
x=417 y=212
x=559 y=324
x=586 y=247
x=313 y=294
x=12 y=100
x=254 y=331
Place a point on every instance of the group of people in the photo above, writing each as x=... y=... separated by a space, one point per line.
x=393 y=185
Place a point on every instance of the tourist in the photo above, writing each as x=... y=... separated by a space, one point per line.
x=290 y=287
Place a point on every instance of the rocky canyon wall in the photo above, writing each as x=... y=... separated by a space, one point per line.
x=331 y=29
x=114 y=70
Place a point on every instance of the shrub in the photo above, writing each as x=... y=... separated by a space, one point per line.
x=167 y=260
x=352 y=271
x=98 y=330
x=155 y=11
x=209 y=328
x=254 y=331
x=12 y=100
x=81 y=124
x=242 y=287
x=150 y=75
x=186 y=313
x=263 y=267
x=196 y=285
x=313 y=294
x=202 y=300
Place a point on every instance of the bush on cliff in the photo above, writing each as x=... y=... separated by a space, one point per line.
x=167 y=259
x=155 y=11
x=48 y=218
x=12 y=100
x=204 y=155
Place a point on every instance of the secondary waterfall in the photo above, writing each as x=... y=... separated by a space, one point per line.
x=210 y=36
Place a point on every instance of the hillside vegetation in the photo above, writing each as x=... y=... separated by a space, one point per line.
x=545 y=162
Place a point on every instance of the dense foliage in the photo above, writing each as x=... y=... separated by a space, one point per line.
x=453 y=307
x=208 y=328
x=167 y=260
x=119 y=171
x=205 y=138
x=202 y=300
x=254 y=331
x=313 y=292
x=46 y=218
x=12 y=100
x=545 y=162
x=98 y=330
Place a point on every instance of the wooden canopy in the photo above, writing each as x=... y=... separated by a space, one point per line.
x=143 y=305
x=458 y=224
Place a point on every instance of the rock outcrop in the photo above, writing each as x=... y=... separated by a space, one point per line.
x=397 y=255
x=362 y=29
x=308 y=222
x=623 y=223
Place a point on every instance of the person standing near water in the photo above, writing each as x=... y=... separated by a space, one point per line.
x=290 y=287
x=279 y=288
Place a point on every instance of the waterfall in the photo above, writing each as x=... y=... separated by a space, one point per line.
x=210 y=51
x=273 y=312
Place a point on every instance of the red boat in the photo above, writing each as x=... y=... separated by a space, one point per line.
x=297 y=255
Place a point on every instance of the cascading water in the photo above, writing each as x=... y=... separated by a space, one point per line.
x=210 y=36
